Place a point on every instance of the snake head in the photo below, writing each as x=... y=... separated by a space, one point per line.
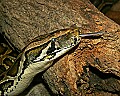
x=58 y=45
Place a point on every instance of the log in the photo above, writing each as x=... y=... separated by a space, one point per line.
x=91 y=68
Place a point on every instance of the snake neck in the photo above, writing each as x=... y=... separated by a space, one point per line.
x=23 y=77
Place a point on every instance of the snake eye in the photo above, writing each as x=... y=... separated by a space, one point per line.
x=52 y=47
x=53 y=39
x=75 y=40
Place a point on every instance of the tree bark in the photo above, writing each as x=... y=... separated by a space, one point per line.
x=92 y=67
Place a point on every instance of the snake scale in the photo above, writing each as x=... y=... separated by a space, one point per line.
x=37 y=56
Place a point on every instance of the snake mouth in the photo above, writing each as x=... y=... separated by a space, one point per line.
x=53 y=55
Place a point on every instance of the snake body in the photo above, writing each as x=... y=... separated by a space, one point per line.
x=37 y=56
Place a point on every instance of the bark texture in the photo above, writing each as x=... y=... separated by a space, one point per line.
x=91 y=68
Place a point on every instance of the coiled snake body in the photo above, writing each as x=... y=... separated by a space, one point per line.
x=38 y=56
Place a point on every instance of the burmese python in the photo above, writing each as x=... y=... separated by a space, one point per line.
x=37 y=56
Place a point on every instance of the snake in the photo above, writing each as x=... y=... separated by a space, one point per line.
x=37 y=57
